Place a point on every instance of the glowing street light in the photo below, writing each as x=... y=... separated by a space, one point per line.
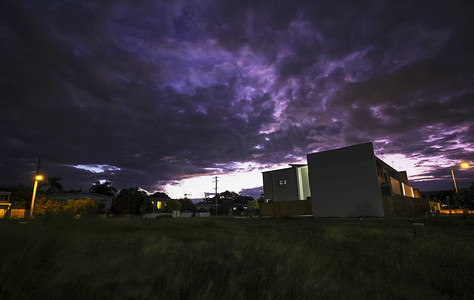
x=37 y=178
x=464 y=165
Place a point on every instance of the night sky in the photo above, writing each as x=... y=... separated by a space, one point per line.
x=149 y=93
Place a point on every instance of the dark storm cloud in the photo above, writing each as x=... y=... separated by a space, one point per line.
x=156 y=91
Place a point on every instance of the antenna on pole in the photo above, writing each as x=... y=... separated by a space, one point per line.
x=215 y=180
x=39 y=166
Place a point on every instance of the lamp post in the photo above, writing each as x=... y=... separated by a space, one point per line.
x=454 y=180
x=37 y=178
x=464 y=165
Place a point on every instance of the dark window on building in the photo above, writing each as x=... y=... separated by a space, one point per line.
x=385 y=190
x=282 y=182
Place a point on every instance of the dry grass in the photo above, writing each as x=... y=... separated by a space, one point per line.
x=225 y=258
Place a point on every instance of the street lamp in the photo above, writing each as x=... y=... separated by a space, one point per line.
x=37 y=178
x=464 y=165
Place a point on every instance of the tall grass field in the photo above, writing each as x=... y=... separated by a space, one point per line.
x=228 y=258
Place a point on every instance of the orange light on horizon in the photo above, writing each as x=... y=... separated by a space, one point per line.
x=464 y=165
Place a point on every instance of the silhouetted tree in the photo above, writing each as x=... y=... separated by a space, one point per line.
x=187 y=204
x=465 y=198
x=160 y=195
x=105 y=188
x=208 y=200
x=227 y=200
x=234 y=197
x=253 y=208
x=146 y=207
x=129 y=201
x=228 y=195
x=53 y=185
x=173 y=204
x=244 y=199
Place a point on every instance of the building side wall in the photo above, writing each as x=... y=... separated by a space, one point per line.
x=344 y=182
x=280 y=185
x=268 y=189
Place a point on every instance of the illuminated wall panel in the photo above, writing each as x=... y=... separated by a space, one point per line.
x=407 y=190
x=303 y=183
x=395 y=186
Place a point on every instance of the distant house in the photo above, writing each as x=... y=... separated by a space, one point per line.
x=103 y=200
x=344 y=182
x=158 y=203
x=4 y=203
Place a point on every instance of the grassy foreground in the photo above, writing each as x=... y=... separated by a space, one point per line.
x=225 y=258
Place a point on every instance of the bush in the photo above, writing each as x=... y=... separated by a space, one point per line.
x=187 y=204
x=130 y=201
x=172 y=204
x=19 y=204
x=253 y=208
x=78 y=208
x=82 y=208
x=146 y=207
x=45 y=206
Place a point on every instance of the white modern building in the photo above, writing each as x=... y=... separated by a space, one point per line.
x=344 y=182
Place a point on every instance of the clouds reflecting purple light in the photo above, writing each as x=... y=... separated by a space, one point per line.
x=159 y=92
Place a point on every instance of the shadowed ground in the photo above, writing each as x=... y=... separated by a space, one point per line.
x=225 y=258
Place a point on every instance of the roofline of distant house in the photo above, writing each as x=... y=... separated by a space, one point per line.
x=75 y=193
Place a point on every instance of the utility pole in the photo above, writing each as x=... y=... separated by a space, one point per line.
x=38 y=177
x=39 y=165
x=215 y=180
x=454 y=180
